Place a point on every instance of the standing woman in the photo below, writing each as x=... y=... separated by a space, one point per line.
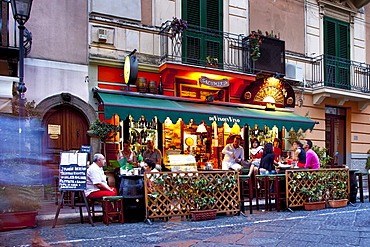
x=299 y=153
x=127 y=153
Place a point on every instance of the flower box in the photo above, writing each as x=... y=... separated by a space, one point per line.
x=204 y=215
x=338 y=203
x=309 y=206
x=11 y=221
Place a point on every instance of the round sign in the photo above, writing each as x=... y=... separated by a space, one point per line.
x=126 y=69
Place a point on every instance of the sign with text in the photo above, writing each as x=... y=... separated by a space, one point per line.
x=214 y=83
x=72 y=171
x=85 y=149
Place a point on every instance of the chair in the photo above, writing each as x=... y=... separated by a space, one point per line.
x=277 y=191
x=113 y=209
x=246 y=192
x=92 y=209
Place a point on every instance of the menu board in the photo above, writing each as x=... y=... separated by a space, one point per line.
x=72 y=171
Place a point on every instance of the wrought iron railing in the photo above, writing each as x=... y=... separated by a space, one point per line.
x=341 y=73
x=206 y=48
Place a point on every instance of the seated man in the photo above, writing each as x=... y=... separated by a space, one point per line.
x=96 y=182
x=234 y=154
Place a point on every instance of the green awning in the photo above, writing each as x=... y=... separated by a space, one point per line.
x=124 y=105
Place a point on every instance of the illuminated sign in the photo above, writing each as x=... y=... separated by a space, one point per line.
x=214 y=83
x=224 y=119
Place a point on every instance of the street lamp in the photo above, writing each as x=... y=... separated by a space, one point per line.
x=21 y=12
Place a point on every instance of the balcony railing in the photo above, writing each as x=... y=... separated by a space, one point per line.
x=341 y=73
x=206 y=48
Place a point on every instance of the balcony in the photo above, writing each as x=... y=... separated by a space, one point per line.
x=341 y=79
x=205 y=47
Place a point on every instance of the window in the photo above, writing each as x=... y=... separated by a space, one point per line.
x=336 y=53
x=204 y=37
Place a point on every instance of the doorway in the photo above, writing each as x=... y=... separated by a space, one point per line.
x=335 y=140
x=65 y=129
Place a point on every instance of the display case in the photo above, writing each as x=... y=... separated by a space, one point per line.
x=140 y=131
x=180 y=162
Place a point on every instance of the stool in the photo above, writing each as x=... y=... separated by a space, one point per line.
x=261 y=186
x=246 y=192
x=112 y=209
x=277 y=192
x=360 y=184
x=93 y=210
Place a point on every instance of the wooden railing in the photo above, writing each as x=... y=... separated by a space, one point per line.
x=170 y=194
x=295 y=183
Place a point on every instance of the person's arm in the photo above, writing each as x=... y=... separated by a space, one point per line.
x=103 y=186
x=308 y=160
x=226 y=150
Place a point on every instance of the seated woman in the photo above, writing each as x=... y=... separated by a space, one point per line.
x=256 y=152
x=267 y=162
x=299 y=154
x=149 y=166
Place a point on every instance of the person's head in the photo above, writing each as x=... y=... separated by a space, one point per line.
x=255 y=143
x=297 y=144
x=268 y=148
x=99 y=159
x=307 y=144
x=126 y=145
x=276 y=142
x=237 y=140
x=150 y=144
x=149 y=165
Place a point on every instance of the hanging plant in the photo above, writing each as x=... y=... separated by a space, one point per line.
x=177 y=27
x=255 y=43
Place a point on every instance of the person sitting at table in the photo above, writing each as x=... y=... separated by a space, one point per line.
x=256 y=151
x=127 y=153
x=277 y=150
x=312 y=160
x=267 y=162
x=153 y=153
x=149 y=166
x=234 y=155
x=96 y=181
x=299 y=154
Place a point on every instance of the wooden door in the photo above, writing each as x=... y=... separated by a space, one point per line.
x=65 y=129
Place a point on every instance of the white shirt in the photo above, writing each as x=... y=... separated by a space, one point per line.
x=95 y=175
x=228 y=160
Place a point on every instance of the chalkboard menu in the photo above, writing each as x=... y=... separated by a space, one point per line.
x=72 y=171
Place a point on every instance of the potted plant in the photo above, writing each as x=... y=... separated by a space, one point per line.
x=338 y=192
x=18 y=206
x=177 y=27
x=199 y=192
x=323 y=156
x=212 y=61
x=313 y=193
x=104 y=131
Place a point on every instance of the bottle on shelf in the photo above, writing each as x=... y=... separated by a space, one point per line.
x=160 y=86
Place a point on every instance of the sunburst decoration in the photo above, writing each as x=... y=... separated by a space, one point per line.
x=272 y=91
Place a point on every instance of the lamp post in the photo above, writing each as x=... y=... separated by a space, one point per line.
x=21 y=13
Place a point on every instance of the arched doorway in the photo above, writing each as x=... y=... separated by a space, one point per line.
x=66 y=129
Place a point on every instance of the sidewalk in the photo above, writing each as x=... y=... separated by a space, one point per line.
x=69 y=215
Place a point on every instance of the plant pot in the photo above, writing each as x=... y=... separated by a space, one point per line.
x=11 y=221
x=204 y=215
x=338 y=203
x=314 y=205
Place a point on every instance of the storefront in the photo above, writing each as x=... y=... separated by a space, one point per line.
x=195 y=127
